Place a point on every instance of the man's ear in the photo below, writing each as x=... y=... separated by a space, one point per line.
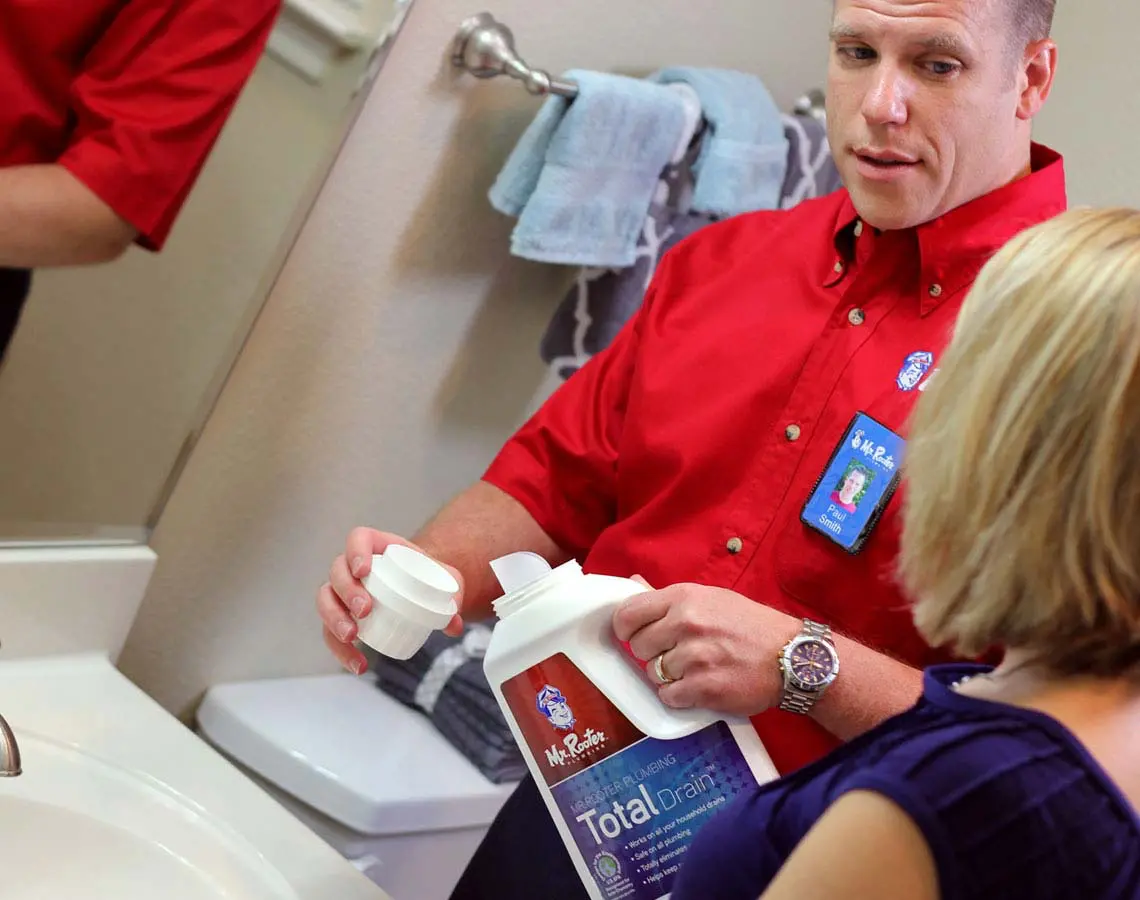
x=1036 y=78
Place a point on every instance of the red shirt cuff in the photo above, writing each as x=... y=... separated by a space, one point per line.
x=104 y=173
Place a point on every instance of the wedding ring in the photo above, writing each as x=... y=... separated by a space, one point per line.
x=659 y=670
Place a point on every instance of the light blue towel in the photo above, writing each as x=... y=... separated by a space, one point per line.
x=744 y=153
x=584 y=173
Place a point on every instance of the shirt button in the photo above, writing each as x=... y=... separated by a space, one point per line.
x=792 y=432
x=734 y=545
x=936 y=290
x=838 y=266
x=856 y=317
x=858 y=227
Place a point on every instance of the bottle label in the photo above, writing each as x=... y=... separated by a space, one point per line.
x=633 y=803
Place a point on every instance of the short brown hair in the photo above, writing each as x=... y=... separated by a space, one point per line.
x=1032 y=20
x=1021 y=524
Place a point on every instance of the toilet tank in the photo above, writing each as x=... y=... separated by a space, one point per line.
x=372 y=777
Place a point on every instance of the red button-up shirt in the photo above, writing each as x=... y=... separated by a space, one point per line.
x=128 y=95
x=702 y=429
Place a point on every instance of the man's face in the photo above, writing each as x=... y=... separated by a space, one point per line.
x=925 y=108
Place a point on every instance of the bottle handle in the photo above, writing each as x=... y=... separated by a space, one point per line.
x=626 y=681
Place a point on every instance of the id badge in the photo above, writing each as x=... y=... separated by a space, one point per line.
x=857 y=484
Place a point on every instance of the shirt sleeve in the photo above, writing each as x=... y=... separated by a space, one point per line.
x=1019 y=820
x=151 y=100
x=562 y=464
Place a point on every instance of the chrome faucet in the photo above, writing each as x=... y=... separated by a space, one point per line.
x=9 y=752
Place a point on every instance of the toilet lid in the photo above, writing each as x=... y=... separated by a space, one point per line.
x=341 y=745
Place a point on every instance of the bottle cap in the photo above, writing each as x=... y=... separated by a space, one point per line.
x=516 y=570
x=412 y=596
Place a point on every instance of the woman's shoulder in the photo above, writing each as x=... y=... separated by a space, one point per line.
x=956 y=745
x=997 y=791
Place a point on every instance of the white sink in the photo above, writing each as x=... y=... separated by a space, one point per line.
x=120 y=801
x=74 y=826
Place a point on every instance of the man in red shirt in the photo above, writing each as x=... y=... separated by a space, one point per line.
x=108 y=110
x=773 y=354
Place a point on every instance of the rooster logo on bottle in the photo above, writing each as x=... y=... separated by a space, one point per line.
x=552 y=704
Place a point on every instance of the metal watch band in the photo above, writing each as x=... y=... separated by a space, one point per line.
x=793 y=699
x=796 y=701
x=817 y=629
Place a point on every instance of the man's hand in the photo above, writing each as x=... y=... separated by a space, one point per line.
x=719 y=646
x=342 y=599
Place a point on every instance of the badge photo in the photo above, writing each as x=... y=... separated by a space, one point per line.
x=857 y=484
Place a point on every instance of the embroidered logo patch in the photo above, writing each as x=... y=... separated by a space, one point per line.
x=914 y=369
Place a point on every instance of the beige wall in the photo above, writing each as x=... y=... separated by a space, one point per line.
x=400 y=346
x=1092 y=114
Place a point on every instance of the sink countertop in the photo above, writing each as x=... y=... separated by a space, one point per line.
x=85 y=701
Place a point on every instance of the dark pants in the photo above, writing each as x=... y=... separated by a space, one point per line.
x=14 y=287
x=522 y=857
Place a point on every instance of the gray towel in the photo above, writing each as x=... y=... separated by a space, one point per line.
x=603 y=300
x=811 y=169
x=445 y=682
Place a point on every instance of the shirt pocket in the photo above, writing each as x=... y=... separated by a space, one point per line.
x=858 y=595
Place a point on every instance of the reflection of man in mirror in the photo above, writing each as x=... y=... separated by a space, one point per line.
x=851 y=487
x=109 y=110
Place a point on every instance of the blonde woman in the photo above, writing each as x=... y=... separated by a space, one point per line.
x=1021 y=530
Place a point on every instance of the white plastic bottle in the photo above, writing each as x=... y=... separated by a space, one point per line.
x=627 y=780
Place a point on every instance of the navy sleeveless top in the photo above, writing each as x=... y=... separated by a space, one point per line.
x=1010 y=803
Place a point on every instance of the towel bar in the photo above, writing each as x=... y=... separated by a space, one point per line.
x=486 y=48
x=812 y=104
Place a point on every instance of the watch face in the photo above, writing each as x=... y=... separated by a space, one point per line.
x=811 y=663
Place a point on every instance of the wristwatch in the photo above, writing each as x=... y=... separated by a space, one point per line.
x=809 y=663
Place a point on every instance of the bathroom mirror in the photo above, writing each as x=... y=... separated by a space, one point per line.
x=114 y=368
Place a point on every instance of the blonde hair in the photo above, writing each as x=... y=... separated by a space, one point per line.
x=1021 y=524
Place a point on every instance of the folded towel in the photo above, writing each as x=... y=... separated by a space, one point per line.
x=603 y=300
x=582 y=176
x=745 y=152
x=445 y=682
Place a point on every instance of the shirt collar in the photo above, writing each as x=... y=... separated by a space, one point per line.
x=953 y=248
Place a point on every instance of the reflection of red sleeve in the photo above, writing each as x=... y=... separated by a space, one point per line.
x=152 y=98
